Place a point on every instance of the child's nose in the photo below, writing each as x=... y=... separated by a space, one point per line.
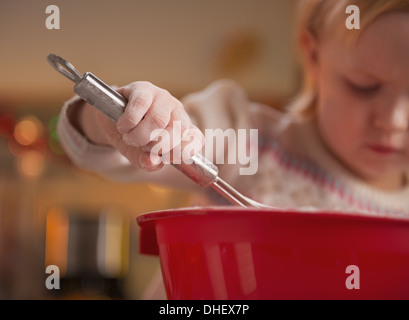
x=393 y=117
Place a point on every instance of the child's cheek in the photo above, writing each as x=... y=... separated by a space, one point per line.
x=338 y=126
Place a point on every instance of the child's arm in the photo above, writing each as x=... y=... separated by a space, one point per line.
x=84 y=119
x=151 y=115
x=97 y=144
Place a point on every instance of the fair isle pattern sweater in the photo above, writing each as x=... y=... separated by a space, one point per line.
x=295 y=170
x=319 y=181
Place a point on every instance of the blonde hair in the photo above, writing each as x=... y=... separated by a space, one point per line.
x=319 y=16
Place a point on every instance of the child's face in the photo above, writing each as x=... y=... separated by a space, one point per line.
x=363 y=100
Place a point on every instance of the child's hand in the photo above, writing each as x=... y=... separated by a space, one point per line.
x=154 y=123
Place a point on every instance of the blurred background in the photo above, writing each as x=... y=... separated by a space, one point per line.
x=52 y=213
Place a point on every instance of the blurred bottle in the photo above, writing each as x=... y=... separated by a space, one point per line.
x=91 y=251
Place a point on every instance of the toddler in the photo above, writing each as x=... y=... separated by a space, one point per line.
x=342 y=145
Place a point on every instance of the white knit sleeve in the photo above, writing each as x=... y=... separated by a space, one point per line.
x=101 y=159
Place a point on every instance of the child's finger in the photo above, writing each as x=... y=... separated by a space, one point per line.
x=150 y=162
x=188 y=145
x=140 y=97
x=108 y=128
x=172 y=135
x=115 y=139
x=192 y=143
x=169 y=138
x=156 y=119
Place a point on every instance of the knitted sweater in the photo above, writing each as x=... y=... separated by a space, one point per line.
x=294 y=167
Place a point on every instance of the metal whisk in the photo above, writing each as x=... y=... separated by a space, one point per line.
x=112 y=104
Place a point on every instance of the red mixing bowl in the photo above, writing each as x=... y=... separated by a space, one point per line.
x=243 y=253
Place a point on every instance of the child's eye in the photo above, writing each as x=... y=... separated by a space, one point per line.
x=363 y=89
